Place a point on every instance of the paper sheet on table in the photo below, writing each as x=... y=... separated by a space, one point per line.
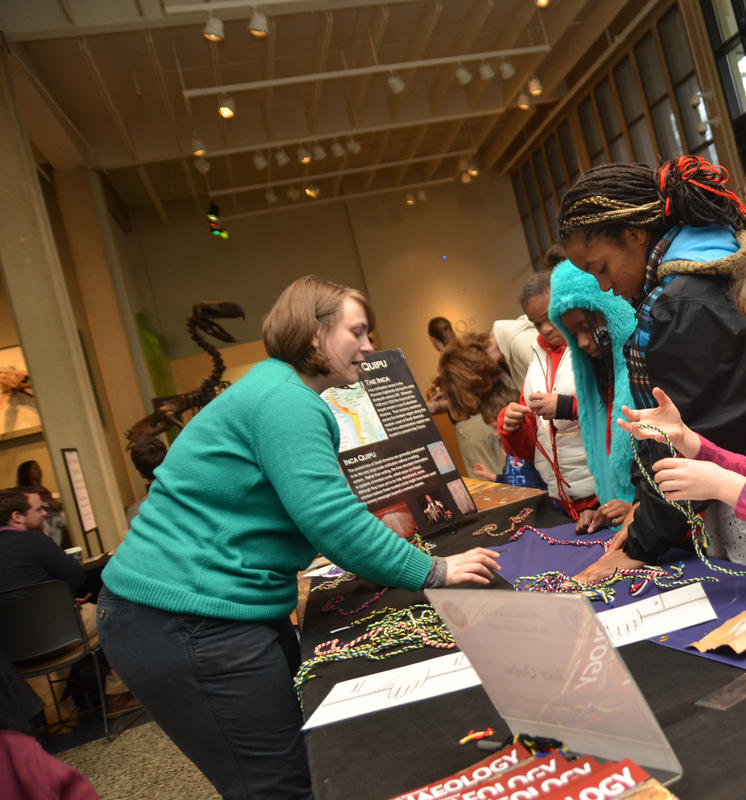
x=328 y=570
x=663 y=613
x=394 y=687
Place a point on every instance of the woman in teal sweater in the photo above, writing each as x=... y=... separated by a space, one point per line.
x=194 y=613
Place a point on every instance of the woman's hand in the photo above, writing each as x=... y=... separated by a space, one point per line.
x=513 y=416
x=684 y=479
x=611 y=513
x=543 y=404
x=484 y=472
x=666 y=417
x=473 y=566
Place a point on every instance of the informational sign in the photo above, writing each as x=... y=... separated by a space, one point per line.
x=391 y=452
x=394 y=687
x=80 y=491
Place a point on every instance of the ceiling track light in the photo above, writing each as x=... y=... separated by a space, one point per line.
x=293 y=193
x=473 y=169
x=353 y=146
x=258 y=25
x=396 y=84
x=534 y=86
x=465 y=177
x=260 y=162
x=422 y=195
x=214 y=30
x=202 y=165
x=270 y=197
x=319 y=153
x=198 y=147
x=227 y=107
x=463 y=76
x=312 y=190
x=337 y=149
x=524 y=101
x=704 y=125
x=507 y=70
x=304 y=156
x=409 y=198
x=542 y=3
x=486 y=72
x=281 y=157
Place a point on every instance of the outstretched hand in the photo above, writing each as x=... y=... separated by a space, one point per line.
x=484 y=472
x=666 y=417
x=474 y=566
x=607 y=565
x=684 y=479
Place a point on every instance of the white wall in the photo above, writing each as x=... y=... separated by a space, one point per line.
x=392 y=251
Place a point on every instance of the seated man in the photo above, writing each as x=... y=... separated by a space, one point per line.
x=27 y=556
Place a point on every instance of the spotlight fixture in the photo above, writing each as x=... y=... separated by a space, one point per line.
x=319 y=153
x=486 y=73
x=202 y=165
x=312 y=190
x=258 y=25
x=704 y=125
x=534 y=86
x=213 y=30
x=422 y=195
x=473 y=169
x=281 y=157
x=304 y=156
x=542 y=3
x=337 y=149
x=524 y=102
x=227 y=108
x=353 y=146
x=409 y=199
x=260 y=162
x=270 y=197
x=465 y=177
x=463 y=76
x=293 y=193
x=463 y=165
x=507 y=70
x=213 y=221
x=396 y=84
x=198 y=147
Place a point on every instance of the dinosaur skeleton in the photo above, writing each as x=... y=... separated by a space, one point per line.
x=169 y=410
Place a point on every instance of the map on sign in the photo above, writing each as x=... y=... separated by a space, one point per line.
x=358 y=421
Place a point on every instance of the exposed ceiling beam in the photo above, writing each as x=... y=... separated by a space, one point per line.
x=353 y=196
x=413 y=145
x=446 y=141
x=369 y=55
x=322 y=38
x=121 y=128
x=470 y=27
x=270 y=47
x=342 y=172
x=376 y=156
x=424 y=27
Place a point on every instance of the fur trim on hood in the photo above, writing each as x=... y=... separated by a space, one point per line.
x=721 y=238
x=572 y=288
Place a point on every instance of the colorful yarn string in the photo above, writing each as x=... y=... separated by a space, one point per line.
x=490 y=529
x=700 y=538
x=564 y=498
x=387 y=634
x=334 y=603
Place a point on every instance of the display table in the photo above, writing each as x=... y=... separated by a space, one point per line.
x=380 y=755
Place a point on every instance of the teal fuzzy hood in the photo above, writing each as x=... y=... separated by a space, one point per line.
x=572 y=288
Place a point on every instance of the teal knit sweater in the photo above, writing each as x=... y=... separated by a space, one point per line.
x=249 y=492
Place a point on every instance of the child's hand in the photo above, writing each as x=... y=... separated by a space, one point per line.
x=513 y=416
x=543 y=404
x=684 y=479
x=666 y=417
x=483 y=472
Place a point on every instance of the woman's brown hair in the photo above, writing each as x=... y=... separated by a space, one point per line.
x=310 y=305
x=466 y=373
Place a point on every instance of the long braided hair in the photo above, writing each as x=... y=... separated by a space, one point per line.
x=685 y=191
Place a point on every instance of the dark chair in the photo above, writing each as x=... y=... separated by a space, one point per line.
x=41 y=632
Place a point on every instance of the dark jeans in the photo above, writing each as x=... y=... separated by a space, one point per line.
x=222 y=690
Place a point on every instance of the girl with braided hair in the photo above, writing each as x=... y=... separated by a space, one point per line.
x=672 y=242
